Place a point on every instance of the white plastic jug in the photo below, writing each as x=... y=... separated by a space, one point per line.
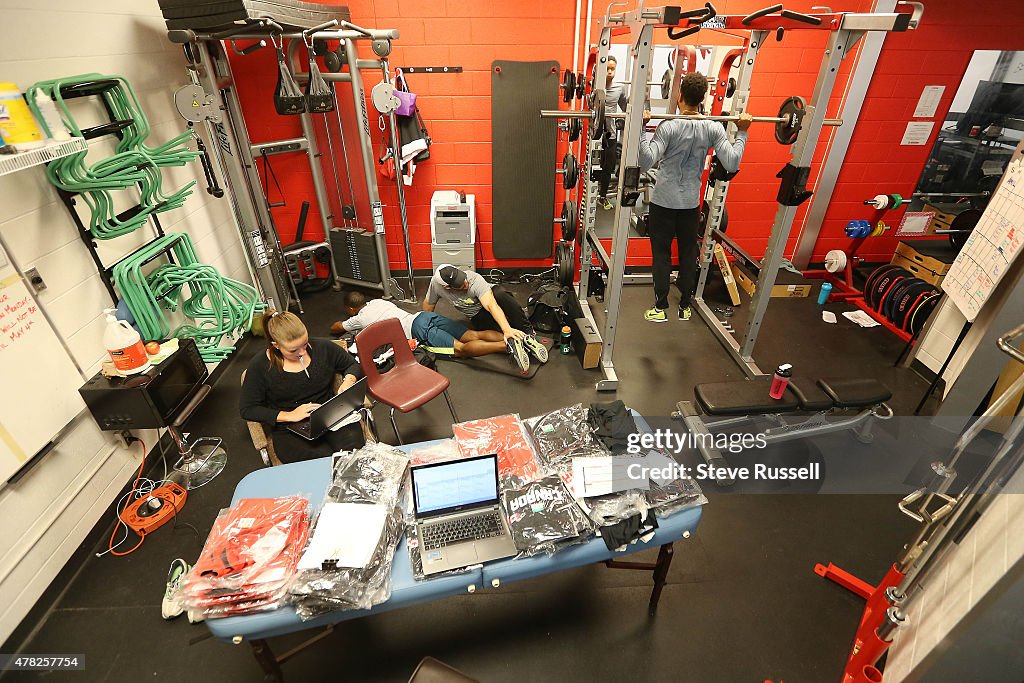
x=124 y=345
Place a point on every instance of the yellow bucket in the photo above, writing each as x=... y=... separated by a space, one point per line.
x=17 y=126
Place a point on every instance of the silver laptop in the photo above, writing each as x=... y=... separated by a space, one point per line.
x=331 y=413
x=458 y=515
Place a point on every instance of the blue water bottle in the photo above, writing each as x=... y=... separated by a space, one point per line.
x=826 y=289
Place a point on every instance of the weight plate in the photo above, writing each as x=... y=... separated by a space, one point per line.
x=705 y=210
x=892 y=302
x=869 y=284
x=921 y=312
x=597 y=106
x=574 y=129
x=966 y=220
x=568 y=85
x=564 y=257
x=910 y=298
x=666 y=84
x=884 y=285
x=571 y=171
x=569 y=219
x=581 y=85
x=731 y=88
x=792 y=109
x=835 y=261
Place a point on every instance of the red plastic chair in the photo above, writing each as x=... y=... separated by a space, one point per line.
x=406 y=386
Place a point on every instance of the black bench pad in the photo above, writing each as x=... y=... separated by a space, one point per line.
x=855 y=393
x=812 y=398
x=743 y=397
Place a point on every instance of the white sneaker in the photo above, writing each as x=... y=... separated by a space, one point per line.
x=517 y=349
x=535 y=348
x=173 y=604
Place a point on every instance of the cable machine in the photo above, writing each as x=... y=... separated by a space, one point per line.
x=798 y=124
x=215 y=93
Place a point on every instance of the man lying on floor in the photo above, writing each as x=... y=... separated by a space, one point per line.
x=431 y=329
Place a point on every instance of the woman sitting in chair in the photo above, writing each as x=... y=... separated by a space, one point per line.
x=290 y=380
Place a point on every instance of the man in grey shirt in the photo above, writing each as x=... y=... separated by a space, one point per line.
x=488 y=308
x=614 y=102
x=681 y=146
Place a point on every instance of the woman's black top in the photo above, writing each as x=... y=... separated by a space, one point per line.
x=268 y=391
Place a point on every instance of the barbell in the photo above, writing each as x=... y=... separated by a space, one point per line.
x=787 y=123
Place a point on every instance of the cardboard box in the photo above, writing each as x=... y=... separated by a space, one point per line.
x=787 y=285
x=730 y=280
x=587 y=342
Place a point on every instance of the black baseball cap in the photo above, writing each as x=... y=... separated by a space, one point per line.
x=452 y=276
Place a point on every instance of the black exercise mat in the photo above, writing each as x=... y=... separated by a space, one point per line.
x=501 y=362
x=523 y=158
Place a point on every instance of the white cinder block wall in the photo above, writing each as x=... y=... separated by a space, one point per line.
x=48 y=513
x=994 y=545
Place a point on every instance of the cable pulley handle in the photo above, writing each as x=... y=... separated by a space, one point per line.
x=308 y=33
x=747 y=20
x=674 y=35
x=695 y=18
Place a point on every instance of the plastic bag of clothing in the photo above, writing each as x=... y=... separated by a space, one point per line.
x=506 y=436
x=442 y=451
x=371 y=474
x=544 y=517
x=612 y=424
x=674 y=496
x=562 y=435
x=615 y=507
x=318 y=591
x=249 y=557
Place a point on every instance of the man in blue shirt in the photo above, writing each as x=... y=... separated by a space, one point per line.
x=681 y=146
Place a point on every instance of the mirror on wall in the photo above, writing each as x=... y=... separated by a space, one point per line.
x=983 y=127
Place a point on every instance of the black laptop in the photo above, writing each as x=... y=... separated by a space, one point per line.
x=331 y=413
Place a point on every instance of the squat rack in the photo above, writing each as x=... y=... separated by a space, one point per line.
x=210 y=69
x=845 y=30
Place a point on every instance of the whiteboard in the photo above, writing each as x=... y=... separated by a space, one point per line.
x=991 y=247
x=39 y=389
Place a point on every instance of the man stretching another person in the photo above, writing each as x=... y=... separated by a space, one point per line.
x=681 y=146
x=431 y=329
x=488 y=308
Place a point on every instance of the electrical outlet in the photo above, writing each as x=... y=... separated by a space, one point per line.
x=124 y=438
x=35 y=279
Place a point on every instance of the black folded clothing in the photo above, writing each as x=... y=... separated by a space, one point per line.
x=612 y=425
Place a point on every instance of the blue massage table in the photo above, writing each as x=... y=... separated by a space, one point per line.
x=313 y=477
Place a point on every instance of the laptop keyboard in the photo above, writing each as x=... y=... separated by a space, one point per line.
x=439 y=534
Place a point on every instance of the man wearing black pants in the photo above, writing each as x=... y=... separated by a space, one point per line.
x=488 y=308
x=681 y=146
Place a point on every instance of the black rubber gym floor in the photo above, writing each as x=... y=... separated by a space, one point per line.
x=742 y=602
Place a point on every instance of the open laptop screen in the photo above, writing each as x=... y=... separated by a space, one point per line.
x=456 y=485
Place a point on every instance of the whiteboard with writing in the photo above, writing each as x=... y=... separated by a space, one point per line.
x=991 y=247
x=39 y=390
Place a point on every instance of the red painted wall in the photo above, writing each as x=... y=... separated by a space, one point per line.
x=473 y=33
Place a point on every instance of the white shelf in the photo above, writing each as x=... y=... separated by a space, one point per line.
x=9 y=163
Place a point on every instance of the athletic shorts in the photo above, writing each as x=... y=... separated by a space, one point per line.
x=437 y=331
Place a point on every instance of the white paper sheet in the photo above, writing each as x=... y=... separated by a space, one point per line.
x=346 y=532
x=929 y=102
x=603 y=475
x=861 y=318
x=917 y=133
x=829 y=317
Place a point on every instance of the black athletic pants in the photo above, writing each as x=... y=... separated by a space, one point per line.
x=609 y=162
x=291 y=447
x=509 y=306
x=666 y=225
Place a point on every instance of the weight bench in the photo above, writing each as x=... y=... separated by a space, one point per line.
x=743 y=401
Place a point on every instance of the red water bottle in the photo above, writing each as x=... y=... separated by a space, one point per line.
x=780 y=380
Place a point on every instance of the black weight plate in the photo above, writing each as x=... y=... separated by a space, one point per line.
x=882 y=284
x=908 y=302
x=921 y=312
x=902 y=298
x=903 y=301
x=785 y=132
x=597 y=106
x=571 y=171
x=666 y=84
x=965 y=220
x=568 y=85
x=885 y=285
x=581 y=85
x=574 y=129
x=895 y=294
x=868 y=285
x=565 y=268
x=731 y=88
x=569 y=219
